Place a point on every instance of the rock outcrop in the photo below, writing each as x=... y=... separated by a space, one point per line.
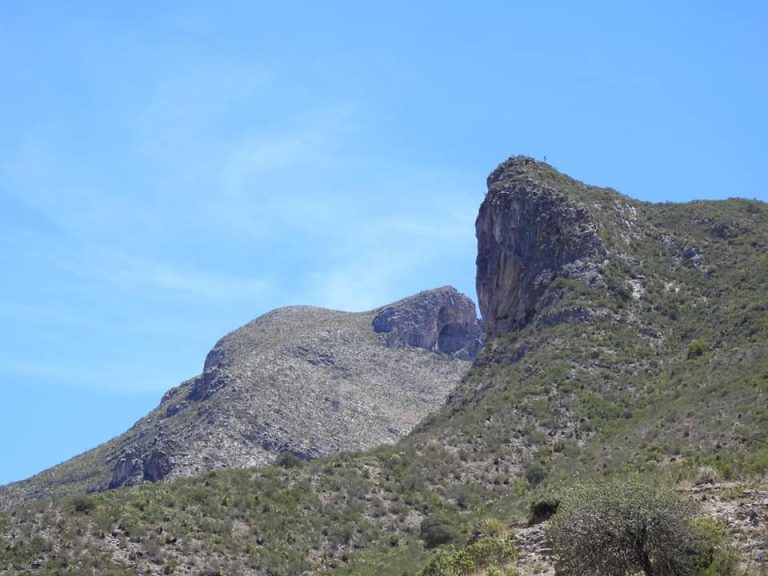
x=441 y=320
x=528 y=234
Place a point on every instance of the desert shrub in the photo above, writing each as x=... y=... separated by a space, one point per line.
x=721 y=559
x=535 y=472
x=622 y=527
x=507 y=571
x=487 y=527
x=492 y=551
x=82 y=504
x=288 y=460
x=542 y=510
x=706 y=475
x=437 y=530
x=489 y=552
x=448 y=563
x=696 y=348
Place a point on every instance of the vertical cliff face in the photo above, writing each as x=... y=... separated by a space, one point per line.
x=528 y=234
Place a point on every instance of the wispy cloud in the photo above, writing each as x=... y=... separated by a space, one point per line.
x=214 y=200
x=118 y=377
x=26 y=312
x=135 y=273
x=361 y=282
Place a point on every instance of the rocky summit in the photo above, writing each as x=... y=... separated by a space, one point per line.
x=440 y=320
x=303 y=381
x=528 y=234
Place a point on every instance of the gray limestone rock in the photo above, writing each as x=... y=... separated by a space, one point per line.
x=528 y=234
x=298 y=380
x=441 y=320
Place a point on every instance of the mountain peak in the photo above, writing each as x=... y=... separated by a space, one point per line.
x=532 y=228
x=514 y=165
x=301 y=380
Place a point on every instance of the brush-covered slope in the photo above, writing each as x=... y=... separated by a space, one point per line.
x=305 y=381
x=628 y=334
x=625 y=337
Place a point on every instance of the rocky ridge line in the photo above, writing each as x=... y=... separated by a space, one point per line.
x=300 y=380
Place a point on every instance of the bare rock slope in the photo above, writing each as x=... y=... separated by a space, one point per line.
x=301 y=380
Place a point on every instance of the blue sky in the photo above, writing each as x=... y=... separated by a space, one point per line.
x=171 y=170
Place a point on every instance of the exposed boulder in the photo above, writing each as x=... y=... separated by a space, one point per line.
x=127 y=470
x=157 y=466
x=441 y=320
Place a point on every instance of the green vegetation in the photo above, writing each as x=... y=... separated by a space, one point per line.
x=659 y=370
x=490 y=552
x=437 y=530
x=624 y=527
x=300 y=380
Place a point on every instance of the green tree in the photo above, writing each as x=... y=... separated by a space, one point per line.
x=621 y=527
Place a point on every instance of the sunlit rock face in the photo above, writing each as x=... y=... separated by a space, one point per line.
x=442 y=320
x=528 y=234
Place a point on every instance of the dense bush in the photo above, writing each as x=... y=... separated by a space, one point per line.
x=82 y=504
x=624 y=527
x=437 y=530
x=288 y=460
x=535 y=473
x=696 y=348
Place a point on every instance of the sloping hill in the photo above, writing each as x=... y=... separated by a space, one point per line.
x=300 y=381
x=628 y=334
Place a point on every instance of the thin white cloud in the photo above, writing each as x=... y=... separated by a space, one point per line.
x=300 y=213
x=117 y=377
x=360 y=284
x=43 y=314
x=131 y=272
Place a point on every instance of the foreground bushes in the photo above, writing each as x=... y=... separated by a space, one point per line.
x=626 y=527
x=488 y=552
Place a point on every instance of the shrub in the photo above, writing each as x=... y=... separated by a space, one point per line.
x=448 y=563
x=721 y=558
x=696 y=348
x=706 y=475
x=535 y=473
x=437 y=530
x=487 y=527
x=623 y=527
x=82 y=504
x=288 y=460
x=542 y=510
x=490 y=552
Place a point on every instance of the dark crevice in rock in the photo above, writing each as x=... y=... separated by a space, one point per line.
x=441 y=320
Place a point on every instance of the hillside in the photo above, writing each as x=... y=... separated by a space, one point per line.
x=624 y=338
x=629 y=334
x=300 y=381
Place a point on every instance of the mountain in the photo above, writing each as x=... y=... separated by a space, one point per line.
x=623 y=333
x=623 y=338
x=302 y=381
